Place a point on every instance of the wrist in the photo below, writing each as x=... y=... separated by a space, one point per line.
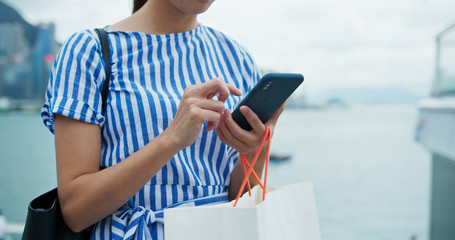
x=251 y=154
x=168 y=143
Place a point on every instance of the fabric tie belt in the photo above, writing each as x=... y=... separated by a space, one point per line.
x=132 y=223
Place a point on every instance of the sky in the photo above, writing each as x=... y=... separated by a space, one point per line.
x=335 y=44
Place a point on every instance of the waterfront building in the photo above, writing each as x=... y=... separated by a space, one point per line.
x=27 y=53
x=43 y=57
x=436 y=131
x=15 y=70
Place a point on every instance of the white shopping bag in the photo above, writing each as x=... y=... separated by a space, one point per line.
x=287 y=213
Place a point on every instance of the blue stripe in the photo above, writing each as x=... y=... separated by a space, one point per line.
x=128 y=98
x=103 y=222
x=153 y=207
x=201 y=156
x=186 y=177
x=165 y=117
x=58 y=77
x=118 y=98
x=114 y=153
x=77 y=78
x=211 y=158
x=140 y=64
x=219 y=160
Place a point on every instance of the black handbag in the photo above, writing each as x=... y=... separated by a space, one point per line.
x=44 y=216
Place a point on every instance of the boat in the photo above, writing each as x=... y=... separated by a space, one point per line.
x=279 y=157
x=436 y=132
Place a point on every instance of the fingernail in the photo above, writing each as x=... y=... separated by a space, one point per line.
x=244 y=109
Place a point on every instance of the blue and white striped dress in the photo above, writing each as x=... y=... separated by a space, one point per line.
x=149 y=74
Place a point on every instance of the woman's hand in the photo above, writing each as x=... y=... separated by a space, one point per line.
x=198 y=107
x=245 y=142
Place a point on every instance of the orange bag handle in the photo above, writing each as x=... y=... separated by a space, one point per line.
x=245 y=164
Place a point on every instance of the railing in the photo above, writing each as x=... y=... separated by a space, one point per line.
x=444 y=82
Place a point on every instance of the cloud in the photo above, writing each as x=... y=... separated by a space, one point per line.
x=334 y=43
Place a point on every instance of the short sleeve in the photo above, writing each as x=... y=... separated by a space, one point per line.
x=75 y=83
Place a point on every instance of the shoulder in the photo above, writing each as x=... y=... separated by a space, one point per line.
x=81 y=52
x=79 y=56
x=79 y=44
x=86 y=36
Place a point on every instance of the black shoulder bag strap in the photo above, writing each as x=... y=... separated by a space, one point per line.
x=105 y=50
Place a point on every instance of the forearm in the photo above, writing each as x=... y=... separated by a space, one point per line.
x=237 y=174
x=90 y=197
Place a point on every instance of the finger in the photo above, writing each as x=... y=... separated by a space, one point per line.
x=222 y=89
x=210 y=126
x=252 y=119
x=203 y=115
x=232 y=90
x=213 y=119
x=229 y=137
x=235 y=91
x=219 y=133
x=274 y=118
x=216 y=86
x=236 y=130
x=212 y=87
x=212 y=105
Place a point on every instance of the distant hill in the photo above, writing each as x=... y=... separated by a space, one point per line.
x=367 y=95
x=9 y=15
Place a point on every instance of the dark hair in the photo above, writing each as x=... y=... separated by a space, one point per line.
x=137 y=4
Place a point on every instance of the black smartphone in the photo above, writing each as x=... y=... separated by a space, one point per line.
x=267 y=96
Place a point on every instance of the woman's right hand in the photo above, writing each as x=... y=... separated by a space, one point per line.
x=197 y=107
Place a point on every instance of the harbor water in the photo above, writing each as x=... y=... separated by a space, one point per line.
x=371 y=179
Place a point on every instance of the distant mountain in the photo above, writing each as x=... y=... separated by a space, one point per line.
x=367 y=95
x=9 y=15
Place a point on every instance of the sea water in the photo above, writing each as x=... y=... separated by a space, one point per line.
x=371 y=179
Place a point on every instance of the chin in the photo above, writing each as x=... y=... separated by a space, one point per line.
x=193 y=6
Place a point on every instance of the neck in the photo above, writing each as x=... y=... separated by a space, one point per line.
x=162 y=17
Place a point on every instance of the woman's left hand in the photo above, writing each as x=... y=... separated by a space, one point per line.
x=245 y=142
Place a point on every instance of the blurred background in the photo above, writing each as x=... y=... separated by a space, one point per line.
x=362 y=126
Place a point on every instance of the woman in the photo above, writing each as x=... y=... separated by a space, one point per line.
x=173 y=85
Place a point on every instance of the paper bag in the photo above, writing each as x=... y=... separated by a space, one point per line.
x=287 y=213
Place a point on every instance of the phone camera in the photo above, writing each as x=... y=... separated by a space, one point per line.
x=267 y=86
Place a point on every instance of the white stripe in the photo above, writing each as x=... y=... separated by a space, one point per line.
x=107 y=230
x=147 y=196
x=134 y=100
x=125 y=104
x=157 y=198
